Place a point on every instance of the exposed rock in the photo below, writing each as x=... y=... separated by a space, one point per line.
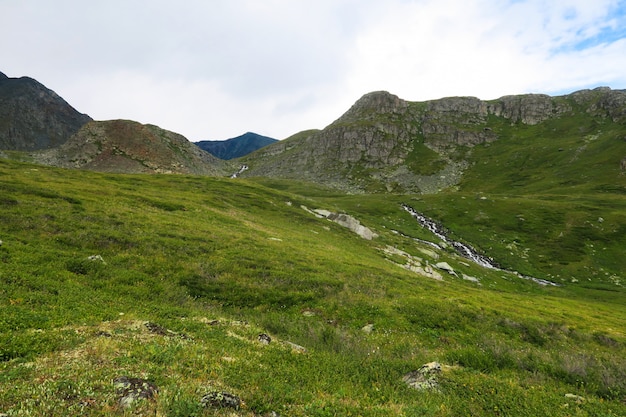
x=425 y=378
x=297 y=348
x=34 y=117
x=414 y=264
x=470 y=278
x=368 y=328
x=124 y=146
x=221 y=399
x=349 y=222
x=162 y=331
x=529 y=109
x=575 y=397
x=130 y=390
x=264 y=339
x=96 y=258
x=386 y=144
x=444 y=266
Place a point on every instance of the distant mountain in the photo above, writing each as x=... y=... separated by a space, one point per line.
x=34 y=117
x=386 y=144
x=235 y=147
x=124 y=146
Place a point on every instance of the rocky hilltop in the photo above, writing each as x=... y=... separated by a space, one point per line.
x=125 y=146
x=384 y=143
x=34 y=117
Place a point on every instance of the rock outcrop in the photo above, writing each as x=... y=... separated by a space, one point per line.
x=386 y=144
x=34 y=117
x=125 y=146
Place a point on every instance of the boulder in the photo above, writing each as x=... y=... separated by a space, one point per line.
x=425 y=378
x=444 y=266
x=130 y=390
x=221 y=399
x=264 y=339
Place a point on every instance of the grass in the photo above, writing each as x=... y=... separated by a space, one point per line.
x=218 y=261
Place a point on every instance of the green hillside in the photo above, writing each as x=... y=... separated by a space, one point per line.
x=172 y=278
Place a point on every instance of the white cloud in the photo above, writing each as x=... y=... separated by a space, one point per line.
x=213 y=70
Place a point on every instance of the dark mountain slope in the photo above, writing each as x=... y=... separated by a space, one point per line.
x=235 y=147
x=34 y=117
x=129 y=147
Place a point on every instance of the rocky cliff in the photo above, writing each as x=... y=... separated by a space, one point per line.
x=34 y=117
x=129 y=147
x=384 y=143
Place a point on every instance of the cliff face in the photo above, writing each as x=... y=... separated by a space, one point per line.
x=129 y=147
x=384 y=143
x=34 y=117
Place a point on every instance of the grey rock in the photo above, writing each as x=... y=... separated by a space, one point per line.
x=221 y=399
x=376 y=145
x=424 y=378
x=444 y=266
x=264 y=339
x=34 y=117
x=368 y=328
x=575 y=397
x=130 y=390
x=348 y=222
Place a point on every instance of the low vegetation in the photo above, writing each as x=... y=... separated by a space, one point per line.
x=172 y=278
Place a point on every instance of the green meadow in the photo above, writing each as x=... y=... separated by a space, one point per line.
x=87 y=259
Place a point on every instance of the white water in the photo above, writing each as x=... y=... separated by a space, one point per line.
x=464 y=250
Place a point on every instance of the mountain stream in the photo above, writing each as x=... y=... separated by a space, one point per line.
x=464 y=250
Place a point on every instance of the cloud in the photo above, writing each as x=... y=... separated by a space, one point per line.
x=213 y=70
x=429 y=49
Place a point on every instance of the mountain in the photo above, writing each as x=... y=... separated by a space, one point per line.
x=386 y=144
x=126 y=146
x=235 y=147
x=34 y=117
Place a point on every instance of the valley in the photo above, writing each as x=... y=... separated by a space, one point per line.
x=456 y=257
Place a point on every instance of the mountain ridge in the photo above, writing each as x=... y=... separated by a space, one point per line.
x=386 y=144
x=125 y=146
x=235 y=147
x=34 y=117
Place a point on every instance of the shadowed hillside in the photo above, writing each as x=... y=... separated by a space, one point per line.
x=235 y=147
x=33 y=116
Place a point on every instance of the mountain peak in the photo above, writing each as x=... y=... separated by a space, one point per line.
x=34 y=117
x=235 y=147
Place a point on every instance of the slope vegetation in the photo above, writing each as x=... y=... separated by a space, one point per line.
x=172 y=281
x=529 y=143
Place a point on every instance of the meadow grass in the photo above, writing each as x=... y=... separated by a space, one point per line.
x=218 y=261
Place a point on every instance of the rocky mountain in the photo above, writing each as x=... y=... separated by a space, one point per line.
x=34 y=117
x=386 y=144
x=125 y=146
x=236 y=147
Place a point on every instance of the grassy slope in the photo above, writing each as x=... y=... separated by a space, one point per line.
x=182 y=251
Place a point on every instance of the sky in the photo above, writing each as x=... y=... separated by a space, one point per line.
x=215 y=69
